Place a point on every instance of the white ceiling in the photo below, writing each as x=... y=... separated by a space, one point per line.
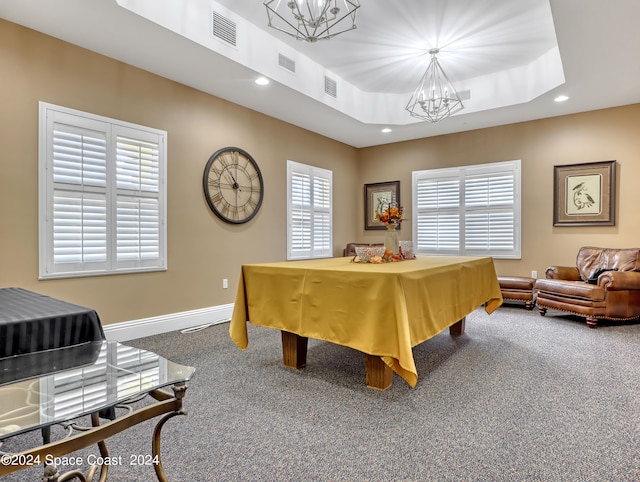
x=512 y=56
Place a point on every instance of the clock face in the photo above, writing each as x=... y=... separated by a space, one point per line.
x=233 y=185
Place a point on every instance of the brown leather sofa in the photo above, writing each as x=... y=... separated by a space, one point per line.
x=350 y=249
x=604 y=284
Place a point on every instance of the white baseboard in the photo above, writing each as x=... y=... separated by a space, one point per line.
x=129 y=330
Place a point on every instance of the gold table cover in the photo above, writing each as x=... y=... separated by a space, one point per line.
x=379 y=309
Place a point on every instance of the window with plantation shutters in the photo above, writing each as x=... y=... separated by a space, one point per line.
x=309 y=212
x=102 y=195
x=470 y=211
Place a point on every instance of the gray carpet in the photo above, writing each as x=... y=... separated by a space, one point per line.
x=519 y=397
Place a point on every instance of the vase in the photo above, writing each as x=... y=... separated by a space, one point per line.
x=391 y=242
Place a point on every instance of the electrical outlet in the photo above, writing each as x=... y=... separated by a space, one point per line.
x=534 y=274
x=225 y=283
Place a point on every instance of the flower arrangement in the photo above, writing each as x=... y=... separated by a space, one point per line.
x=386 y=257
x=391 y=215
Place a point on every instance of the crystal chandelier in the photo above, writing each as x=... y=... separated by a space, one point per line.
x=435 y=98
x=312 y=20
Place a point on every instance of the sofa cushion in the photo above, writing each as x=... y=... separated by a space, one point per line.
x=591 y=259
x=575 y=289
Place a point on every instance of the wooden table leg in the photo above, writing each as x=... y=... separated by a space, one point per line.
x=378 y=374
x=458 y=327
x=294 y=350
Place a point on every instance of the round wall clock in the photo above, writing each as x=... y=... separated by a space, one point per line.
x=233 y=185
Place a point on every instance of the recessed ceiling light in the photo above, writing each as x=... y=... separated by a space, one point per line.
x=561 y=98
x=386 y=129
x=262 y=81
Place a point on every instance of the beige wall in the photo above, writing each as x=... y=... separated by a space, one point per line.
x=201 y=249
x=610 y=134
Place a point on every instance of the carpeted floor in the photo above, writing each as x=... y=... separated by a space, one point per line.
x=519 y=397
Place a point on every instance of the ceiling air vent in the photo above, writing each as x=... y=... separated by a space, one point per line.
x=464 y=94
x=330 y=87
x=287 y=63
x=224 y=29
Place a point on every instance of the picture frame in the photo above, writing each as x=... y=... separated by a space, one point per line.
x=585 y=194
x=378 y=196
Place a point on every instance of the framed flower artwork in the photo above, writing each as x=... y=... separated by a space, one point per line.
x=378 y=196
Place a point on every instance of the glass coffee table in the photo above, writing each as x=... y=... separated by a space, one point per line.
x=105 y=387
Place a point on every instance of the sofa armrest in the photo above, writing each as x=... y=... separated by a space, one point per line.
x=619 y=280
x=569 y=273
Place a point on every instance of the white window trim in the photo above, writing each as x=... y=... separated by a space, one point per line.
x=326 y=251
x=460 y=173
x=111 y=128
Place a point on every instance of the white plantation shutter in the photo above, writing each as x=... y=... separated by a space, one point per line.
x=138 y=211
x=437 y=224
x=490 y=219
x=77 y=194
x=79 y=228
x=137 y=164
x=102 y=195
x=322 y=215
x=300 y=215
x=79 y=154
x=473 y=210
x=138 y=229
x=309 y=212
